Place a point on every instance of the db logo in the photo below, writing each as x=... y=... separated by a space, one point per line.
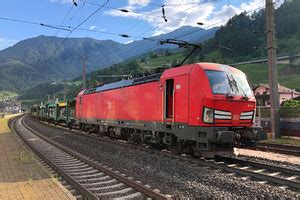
x=235 y=117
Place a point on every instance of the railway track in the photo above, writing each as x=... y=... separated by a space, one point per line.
x=278 y=148
x=284 y=177
x=275 y=174
x=89 y=178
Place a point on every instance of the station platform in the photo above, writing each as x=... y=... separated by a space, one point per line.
x=21 y=176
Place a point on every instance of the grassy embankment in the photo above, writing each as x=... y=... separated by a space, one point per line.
x=256 y=73
x=4 y=123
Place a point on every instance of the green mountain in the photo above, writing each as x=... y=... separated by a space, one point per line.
x=241 y=39
x=244 y=37
x=22 y=68
x=23 y=65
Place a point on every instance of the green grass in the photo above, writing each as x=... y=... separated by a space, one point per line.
x=160 y=61
x=287 y=141
x=76 y=83
x=258 y=73
x=4 y=124
x=290 y=81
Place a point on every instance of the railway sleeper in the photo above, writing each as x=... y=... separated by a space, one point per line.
x=114 y=187
x=115 y=194
x=95 y=180
x=88 y=172
x=79 y=170
x=82 y=176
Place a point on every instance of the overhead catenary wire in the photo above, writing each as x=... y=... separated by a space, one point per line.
x=214 y=24
x=179 y=20
x=104 y=32
x=76 y=12
x=86 y=19
x=70 y=28
x=52 y=40
x=182 y=4
x=127 y=11
x=35 y=23
x=74 y=28
x=83 y=29
x=124 y=10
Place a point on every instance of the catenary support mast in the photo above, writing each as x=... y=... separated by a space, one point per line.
x=273 y=76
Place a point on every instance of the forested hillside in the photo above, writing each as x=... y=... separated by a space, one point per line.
x=38 y=60
x=245 y=35
x=241 y=39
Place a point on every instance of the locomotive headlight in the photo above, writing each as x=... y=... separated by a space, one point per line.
x=208 y=115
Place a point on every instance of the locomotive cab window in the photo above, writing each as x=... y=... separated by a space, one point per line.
x=228 y=83
x=169 y=98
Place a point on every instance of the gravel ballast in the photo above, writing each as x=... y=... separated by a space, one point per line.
x=171 y=176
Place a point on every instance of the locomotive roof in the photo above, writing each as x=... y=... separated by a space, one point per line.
x=219 y=67
x=186 y=69
x=124 y=83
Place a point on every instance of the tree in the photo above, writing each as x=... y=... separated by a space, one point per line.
x=168 y=53
x=153 y=55
x=174 y=63
x=291 y=103
x=292 y=57
x=144 y=60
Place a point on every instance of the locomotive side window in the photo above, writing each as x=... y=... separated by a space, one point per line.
x=169 y=98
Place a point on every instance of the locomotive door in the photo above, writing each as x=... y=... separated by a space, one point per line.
x=169 y=100
x=176 y=100
x=80 y=106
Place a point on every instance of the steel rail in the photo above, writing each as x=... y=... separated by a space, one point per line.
x=117 y=175
x=211 y=163
x=261 y=165
x=277 y=148
x=83 y=191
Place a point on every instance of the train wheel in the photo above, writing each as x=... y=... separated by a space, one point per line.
x=134 y=138
x=174 y=148
x=69 y=126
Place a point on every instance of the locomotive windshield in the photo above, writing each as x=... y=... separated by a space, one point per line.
x=228 y=83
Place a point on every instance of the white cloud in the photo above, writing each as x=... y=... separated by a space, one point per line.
x=67 y=1
x=5 y=42
x=128 y=42
x=189 y=12
x=92 y=27
x=61 y=1
x=138 y=2
x=252 y=5
x=177 y=16
x=220 y=17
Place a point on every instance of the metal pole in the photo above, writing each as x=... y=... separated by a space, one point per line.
x=273 y=83
x=83 y=74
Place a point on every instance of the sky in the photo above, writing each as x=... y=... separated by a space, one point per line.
x=144 y=18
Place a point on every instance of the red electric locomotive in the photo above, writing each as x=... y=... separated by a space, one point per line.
x=200 y=108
